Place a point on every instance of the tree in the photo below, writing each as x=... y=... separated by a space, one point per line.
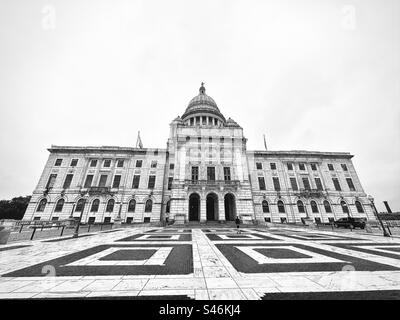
x=14 y=208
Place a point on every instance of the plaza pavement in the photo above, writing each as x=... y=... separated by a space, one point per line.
x=207 y=263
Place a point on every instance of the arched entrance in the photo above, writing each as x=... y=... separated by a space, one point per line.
x=230 y=207
x=212 y=207
x=194 y=207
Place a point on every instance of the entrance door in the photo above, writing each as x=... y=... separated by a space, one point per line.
x=194 y=207
x=230 y=208
x=212 y=207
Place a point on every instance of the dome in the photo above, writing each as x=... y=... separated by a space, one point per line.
x=202 y=103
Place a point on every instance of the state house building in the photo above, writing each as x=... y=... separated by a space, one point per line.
x=205 y=173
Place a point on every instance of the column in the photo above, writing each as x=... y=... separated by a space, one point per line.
x=203 y=207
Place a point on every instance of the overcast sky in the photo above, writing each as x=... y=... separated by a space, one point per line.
x=320 y=75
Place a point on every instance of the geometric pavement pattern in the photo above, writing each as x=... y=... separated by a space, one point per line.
x=208 y=263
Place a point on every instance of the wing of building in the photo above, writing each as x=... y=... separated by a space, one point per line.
x=205 y=173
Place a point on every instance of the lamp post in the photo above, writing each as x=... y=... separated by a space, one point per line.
x=385 y=233
x=76 y=232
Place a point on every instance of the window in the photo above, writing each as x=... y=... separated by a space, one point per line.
x=67 y=181
x=300 y=207
x=211 y=173
x=318 y=183
x=314 y=207
x=36 y=219
x=327 y=207
x=171 y=166
x=139 y=163
x=58 y=162
x=103 y=180
x=345 y=208
x=195 y=173
x=221 y=140
x=350 y=184
x=290 y=166
x=265 y=206
x=273 y=166
x=149 y=206
x=107 y=219
x=88 y=181
x=267 y=219
x=54 y=218
x=302 y=166
x=51 y=181
x=306 y=184
x=91 y=220
x=261 y=183
x=95 y=205
x=136 y=180
x=74 y=162
x=168 y=207
x=259 y=165
x=199 y=139
x=117 y=180
x=283 y=220
x=359 y=207
x=110 y=205
x=80 y=205
x=313 y=167
x=120 y=163
x=204 y=120
x=293 y=183
x=93 y=163
x=330 y=167
x=344 y=167
x=336 y=184
x=227 y=173
x=277 y=185
x=152 y=182
x=170 y=179
x=156 y=153
x=281 y=207
x=129 y=220
x=132 y=205
x=107 y=163
x=59 y=205
x=154 y=164
x=317 y=220
x=210 y=139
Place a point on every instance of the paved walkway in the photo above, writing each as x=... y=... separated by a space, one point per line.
x=200 y=263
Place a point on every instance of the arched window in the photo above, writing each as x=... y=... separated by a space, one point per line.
x=149 y=206
x=359 y=207
x=168 y=207
x=95 y=205
x=265 y=206
x=300 y=206
x=110 y=205
x=345 y=208
x=281 y=207
x=314 y=207
x=79 y=205
x=42 y=205
x=327 y=206
x=59 y=205
x=132 y=205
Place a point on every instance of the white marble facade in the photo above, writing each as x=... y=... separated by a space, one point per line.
x=224 y=185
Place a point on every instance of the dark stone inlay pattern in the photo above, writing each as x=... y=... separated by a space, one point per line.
x=335 y=295
x=313 y=237
x=166 y=237
x=282 y=253
x=170 y=231
x=236 y=237
x=140 y=254
x=14 y=247
x=359 y=247
x=243 y=263
x=179 y=261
